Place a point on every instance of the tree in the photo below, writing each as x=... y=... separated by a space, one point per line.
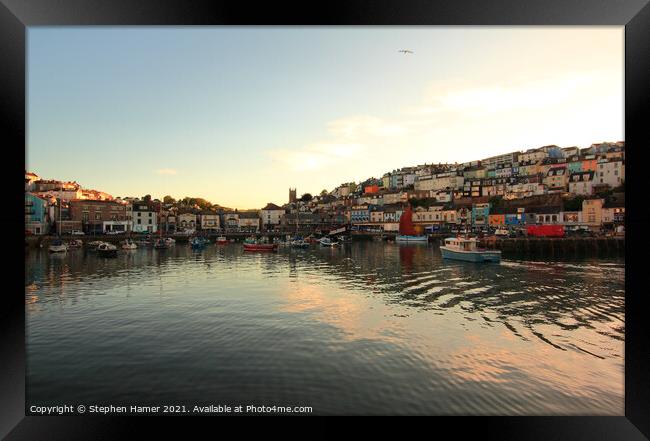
x=169 y=200
x=574 y=204
x=306 y=197
x=323 y=193
x=147 y=198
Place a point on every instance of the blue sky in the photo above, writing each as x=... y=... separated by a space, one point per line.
x=239 y=114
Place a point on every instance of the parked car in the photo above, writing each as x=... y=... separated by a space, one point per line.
x=114 y=232
x=77 y=233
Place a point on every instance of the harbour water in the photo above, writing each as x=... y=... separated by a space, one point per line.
x=367 y=328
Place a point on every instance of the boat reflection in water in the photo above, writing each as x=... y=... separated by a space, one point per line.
x=369 y=328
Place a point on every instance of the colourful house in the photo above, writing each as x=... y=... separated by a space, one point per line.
x=35 y=214
x=497 y=219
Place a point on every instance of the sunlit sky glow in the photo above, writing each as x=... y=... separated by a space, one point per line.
x=238 y=115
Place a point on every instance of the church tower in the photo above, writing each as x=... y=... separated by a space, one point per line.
x=292 y=195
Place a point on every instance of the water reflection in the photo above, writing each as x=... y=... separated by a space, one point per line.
x=367 y=327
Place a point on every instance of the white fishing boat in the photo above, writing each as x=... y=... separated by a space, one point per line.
x=327 y=242
x=408 y=238
x=128 y=244
x=58 y=246
x=299 y=243
x=459 y=248
x=106 y=249
x=75 y=243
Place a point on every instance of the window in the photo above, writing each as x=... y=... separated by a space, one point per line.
x=98 y=215
x=139 y=214
x=149 y=221
x=139 y=221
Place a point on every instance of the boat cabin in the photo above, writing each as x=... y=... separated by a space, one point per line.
x=461 y=244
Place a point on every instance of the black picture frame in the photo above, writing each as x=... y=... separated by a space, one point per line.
x=17 y=15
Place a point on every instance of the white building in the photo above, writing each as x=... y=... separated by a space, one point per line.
x=611 y=173
x=209 y=221
x=145 y=219
x=271 y=215
x=581 y=183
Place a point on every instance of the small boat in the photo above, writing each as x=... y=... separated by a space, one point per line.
x=128 y=244
x=466 y=249
x=75 y=243
x=252 y=244
x=198 y=242
x=407 y=238
x=58 y=247
x=106 y=249
x=260 y=246
x=221 y=240
x=161 y=244
x=94 y=244
x=170 y=241
x=299 y=243
x=327 y=242
x=407 y=230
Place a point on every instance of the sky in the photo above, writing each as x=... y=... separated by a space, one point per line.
x=237 y=115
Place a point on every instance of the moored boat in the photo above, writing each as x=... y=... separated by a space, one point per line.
x=408 y=238
x=106 y=249
x=221 y=240
x=407 y=230
x=252 y=244
x=198 y=242
x=466 y=249
x=58 y=246
x=161 y=244
x=299 y=243
x=327 y=242
x=128 y=244
x=170 y=241
x=75 y=243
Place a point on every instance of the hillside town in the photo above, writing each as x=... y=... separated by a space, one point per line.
x=579 y=188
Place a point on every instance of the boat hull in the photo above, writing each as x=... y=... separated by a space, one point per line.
x=403 y=238
x=58 y=249
x=471 y=256
x=260 y=246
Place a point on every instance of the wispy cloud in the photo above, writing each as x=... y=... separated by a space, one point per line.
x=166 y=171
x=452 y=114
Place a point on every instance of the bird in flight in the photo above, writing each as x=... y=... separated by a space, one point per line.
x=405 y=51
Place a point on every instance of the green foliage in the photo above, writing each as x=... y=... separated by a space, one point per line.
x=169 y=200
x=306 y=197
x=573 y=204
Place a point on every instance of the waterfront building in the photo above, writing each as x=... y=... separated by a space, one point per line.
x=209 y=221
x=571 y=218
x=480 y=213
x=360 y=214
x=547 y=215
x=144 y=218
x=376 y=214
x=270 y=215
x=36 y=214
x=230 y=220
x=248 y=221
x=592 y=212
x=101 y=216
x=186 y=221
x=497 y=217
